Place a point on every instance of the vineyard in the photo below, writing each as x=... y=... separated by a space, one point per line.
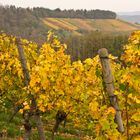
x=76 y=25
x=41 y=90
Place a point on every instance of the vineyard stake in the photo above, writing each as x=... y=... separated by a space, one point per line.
x=109 y=86
x=26 y=73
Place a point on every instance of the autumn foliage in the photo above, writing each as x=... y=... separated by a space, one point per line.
x=76 y=88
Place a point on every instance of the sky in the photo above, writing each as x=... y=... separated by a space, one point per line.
x=113 y=5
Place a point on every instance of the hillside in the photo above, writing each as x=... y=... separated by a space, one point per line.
x=81 y=25
x=33 y=24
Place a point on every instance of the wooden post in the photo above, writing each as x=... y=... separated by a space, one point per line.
x=26 y=73
x=109 y=85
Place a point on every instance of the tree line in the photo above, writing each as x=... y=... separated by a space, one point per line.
x=84 y=14
x=21 y=22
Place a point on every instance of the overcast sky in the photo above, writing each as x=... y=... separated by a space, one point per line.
x=114 y=5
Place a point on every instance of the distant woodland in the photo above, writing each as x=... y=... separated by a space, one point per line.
x=83 y=14
x=27 y=23
x=21 y=22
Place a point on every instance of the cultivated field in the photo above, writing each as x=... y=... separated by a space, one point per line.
x=107 y=25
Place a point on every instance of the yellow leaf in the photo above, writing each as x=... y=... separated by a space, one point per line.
x=26 y=107
x=137 y=101
x=42 y=108
x=21 y=111
x=111 y=110
x=93 y=106
x=136 y=117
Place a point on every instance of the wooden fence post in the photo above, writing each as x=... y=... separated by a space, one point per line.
x=109 y=85
x=26 y=74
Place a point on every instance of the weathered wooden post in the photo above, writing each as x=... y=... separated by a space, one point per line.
x=26 y=74
x=109 y=85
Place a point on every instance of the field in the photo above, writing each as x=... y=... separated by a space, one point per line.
x=77 y=25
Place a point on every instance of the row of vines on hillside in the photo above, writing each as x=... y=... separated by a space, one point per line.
x=75 y=89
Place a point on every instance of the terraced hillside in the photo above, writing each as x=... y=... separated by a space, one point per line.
x=77 y=25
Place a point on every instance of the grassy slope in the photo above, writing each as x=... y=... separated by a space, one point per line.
x=108 y=25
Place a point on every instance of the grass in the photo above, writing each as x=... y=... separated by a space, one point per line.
x=59 y=136
x=14 y=132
